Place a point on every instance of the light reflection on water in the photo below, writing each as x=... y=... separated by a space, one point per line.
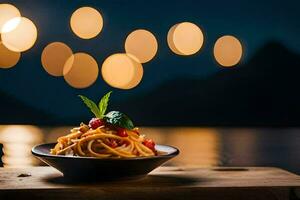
x=17 y=143
x=200 y=147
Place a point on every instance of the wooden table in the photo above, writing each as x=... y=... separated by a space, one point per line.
x=163 y=183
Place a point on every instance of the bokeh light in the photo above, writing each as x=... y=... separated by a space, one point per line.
x=81 y=70
x=171 y=42
x=185 y=38
x=142 y=44
x=11 y=24
x=228 y=51
x=86 y=22
x=20 y=38
x=8 y=58
x=54 y=57
x=122 y=71
x=7 y=12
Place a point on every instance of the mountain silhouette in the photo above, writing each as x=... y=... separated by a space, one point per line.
x=262 y=92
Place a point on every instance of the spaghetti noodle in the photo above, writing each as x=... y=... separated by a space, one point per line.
x=105 y=141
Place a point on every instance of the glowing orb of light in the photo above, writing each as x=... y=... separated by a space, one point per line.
x=171 y=42
x=86 y=22
x=81 y=70
x=8 y=12
x=185 y=38
x=54 y=57
x=228 y=51
x=142 y=44
x=8 y=58
x=20 y=38
x=11 y=25
x=122 y=71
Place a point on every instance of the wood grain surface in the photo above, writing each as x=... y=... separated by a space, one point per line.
x=163 y=183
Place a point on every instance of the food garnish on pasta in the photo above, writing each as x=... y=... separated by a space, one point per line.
x=110 y=135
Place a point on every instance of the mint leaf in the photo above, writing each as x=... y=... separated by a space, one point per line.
x=119 y=119
x=91 y=105
x=103 y=103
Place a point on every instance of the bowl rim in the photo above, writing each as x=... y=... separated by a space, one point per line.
x=39 y=154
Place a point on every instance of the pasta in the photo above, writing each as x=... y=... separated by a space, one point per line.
x=104 y=141
x=110 y=135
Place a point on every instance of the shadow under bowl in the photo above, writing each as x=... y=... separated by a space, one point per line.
x=75 y=167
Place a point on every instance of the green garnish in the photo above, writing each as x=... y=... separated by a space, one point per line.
x=119 y=119
x=98 y=111
x=103 y=103
x=114 y=117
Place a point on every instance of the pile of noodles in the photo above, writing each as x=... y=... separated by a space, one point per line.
x=102 y=142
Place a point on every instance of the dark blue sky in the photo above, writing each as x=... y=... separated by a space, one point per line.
x=254 y=22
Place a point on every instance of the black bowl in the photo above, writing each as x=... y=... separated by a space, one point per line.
x=103 y=169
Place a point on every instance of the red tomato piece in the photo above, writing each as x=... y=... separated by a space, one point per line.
x=150 y=144
x=95 y=123
x=122 y=132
